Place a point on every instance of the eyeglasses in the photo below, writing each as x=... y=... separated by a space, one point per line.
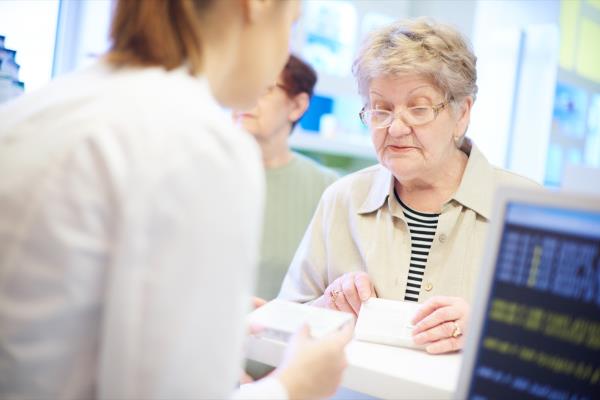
x=412 y=116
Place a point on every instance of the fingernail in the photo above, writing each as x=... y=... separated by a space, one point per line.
x=430 y=349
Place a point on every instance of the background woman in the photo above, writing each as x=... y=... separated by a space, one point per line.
x=295 y=183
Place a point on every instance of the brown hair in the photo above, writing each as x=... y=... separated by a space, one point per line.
x=157 y=33
x=298 y=77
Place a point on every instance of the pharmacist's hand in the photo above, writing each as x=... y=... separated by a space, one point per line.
x=254 y=329
x=258 y=302
x=312 y=369
x=245 y=378
x=347 y=293
x=440 y=324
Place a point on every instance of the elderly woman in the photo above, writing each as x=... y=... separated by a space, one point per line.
x=412 y=227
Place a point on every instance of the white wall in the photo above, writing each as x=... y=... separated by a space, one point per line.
x=459 y=13
x=514 y=98
x=30 y=28
x=83 y=33
x=532 y=118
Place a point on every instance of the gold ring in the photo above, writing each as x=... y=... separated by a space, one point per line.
x=334 y=295
x=457 y=331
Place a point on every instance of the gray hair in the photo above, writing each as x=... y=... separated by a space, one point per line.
x=421 y=46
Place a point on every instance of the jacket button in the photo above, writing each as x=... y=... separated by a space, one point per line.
x=428 y=286
x=443 y=238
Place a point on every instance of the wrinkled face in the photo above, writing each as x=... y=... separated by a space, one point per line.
x=413 y=152
x=263 y=49
x=272 y=114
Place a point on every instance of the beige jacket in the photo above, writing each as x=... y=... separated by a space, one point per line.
x=359 y=226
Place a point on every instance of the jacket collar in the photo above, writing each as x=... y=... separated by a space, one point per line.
x=476 y=187
x=475 y=190
x=381 y=188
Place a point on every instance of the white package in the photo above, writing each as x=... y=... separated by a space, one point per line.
x=386 y=322
x=280 y=319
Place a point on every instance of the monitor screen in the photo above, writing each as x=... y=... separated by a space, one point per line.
x=541 y=333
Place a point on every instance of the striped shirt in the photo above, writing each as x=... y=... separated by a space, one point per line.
x=422 y=230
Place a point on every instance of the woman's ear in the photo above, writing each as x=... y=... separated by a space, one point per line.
x=299 y=105
x=463 y=116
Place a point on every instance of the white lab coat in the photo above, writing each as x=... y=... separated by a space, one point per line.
x=130 y=212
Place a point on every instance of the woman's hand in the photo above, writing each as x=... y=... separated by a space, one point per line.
x=312 y=369
x=347 y=293
x=440 y=324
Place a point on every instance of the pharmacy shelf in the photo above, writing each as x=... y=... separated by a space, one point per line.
x=357 y=146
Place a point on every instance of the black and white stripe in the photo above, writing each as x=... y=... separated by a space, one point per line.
x=422 y=228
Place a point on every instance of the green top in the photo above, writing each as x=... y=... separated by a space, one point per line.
x=293 y=192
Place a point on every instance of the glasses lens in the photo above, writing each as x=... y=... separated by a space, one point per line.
x=376 y=118
x=420 y=115
x=413 y=116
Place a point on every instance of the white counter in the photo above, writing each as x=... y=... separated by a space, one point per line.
x=383 y=371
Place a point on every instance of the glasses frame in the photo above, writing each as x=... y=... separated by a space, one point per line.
x=436 y=111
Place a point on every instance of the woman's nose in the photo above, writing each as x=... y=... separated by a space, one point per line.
x=399 y=127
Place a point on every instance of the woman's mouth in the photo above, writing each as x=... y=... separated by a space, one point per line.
x=400 y=149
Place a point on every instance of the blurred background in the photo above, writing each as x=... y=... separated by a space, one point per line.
x=537 y=112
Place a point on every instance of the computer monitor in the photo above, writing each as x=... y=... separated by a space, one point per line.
x=535 y=326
